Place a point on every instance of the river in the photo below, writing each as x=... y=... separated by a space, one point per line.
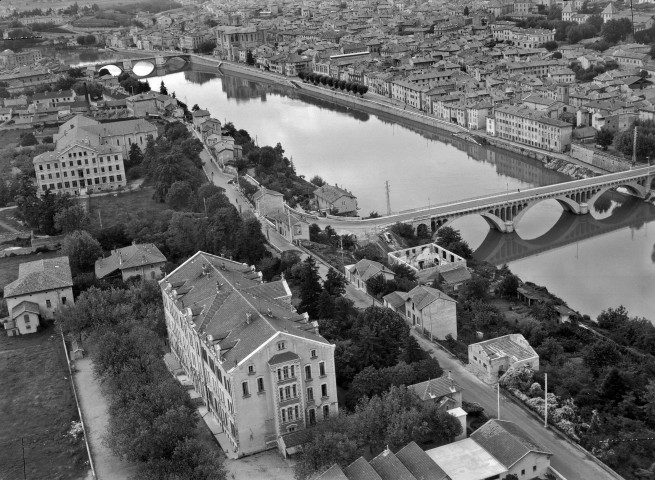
x=592 y=261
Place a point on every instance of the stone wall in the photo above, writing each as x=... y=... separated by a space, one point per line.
x=598 y=158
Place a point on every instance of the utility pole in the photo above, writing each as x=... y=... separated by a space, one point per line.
x=634 y=147
x=100 y=218
x=545 y=400
x=388 y=198
x=498 y=400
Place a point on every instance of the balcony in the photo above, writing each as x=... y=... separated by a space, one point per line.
x=284 y=381
x=289 y=401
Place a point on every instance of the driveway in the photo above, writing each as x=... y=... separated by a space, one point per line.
x=94 y=410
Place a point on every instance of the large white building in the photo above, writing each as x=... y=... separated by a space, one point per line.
x=262 y=369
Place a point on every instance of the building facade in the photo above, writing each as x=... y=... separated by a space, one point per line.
x=137 y=260
x=262 y=369
x=41 y=288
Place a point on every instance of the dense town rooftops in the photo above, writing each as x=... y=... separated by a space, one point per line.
x=40 y=276
x=228 y=303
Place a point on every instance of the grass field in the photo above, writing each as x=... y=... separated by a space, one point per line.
x=37 y=406
x=9 y=271
x=118 y=208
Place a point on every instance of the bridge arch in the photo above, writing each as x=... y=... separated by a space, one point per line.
x=143 y=68
x=422 y=230
x=494 y=221
x=634 y=188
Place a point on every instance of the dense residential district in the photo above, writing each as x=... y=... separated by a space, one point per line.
x=180 y=303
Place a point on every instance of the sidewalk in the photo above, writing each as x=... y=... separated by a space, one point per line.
x=96 y=417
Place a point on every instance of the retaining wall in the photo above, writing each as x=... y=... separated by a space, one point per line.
x=599 y=159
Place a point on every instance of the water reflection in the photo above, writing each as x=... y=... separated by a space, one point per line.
x=500 y=248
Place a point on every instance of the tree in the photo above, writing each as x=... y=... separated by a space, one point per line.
x=179 y=195
x=412 y=351
x=466 y=11
x=601 y=354
x=335 y=283
x=135 y=157
x=207 y=47
x=162 y=88
x=82 y=250
x=550 y=45
x=508 y=286
x=324 y=450
x=450 y=239
x=71 y=218
x=476 y=288
x=310 y=287
x=317 y=180
x=195 y=108
x=604 y=137
x=47 y=139
x=250 y=59
x=27 y=140
x=613 y=318
x=615 y=30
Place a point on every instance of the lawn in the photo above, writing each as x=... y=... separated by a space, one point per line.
x=37 y=405
x=9 y=273
x=9 y=137
x=117 y=208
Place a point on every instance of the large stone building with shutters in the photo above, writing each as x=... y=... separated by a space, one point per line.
x=262 y=369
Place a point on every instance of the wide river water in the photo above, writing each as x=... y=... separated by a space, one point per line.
x=593 y=262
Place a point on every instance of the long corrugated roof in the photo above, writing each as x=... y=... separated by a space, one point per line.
x=419 y=463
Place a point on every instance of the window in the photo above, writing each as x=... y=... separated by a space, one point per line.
x=284 y=415
x=313 y=354
x=294 y=391
x=279 y=374
x=326 y=411
x=308 y=372
x=312 y=416
x=48 y=304
x=523 y=472
x=26 y=317
x=246 y=389
x=63 y=300
x=251 y=369
x=285 y=372
x=321 y=369
x=287 y=392
x=310 y=393
x=119 y=178
x=260 y=385
x=534 y=468
x=280 y=345
x=324 y=391
x=281 y=394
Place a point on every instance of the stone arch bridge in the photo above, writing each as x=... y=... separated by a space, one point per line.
x=157 y=61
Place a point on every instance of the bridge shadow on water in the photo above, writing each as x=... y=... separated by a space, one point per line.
x=501 y=248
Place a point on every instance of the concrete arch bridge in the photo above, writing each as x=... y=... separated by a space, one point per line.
x=504 y=211
x=158 y=62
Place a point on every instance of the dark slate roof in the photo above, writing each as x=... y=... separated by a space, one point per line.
x=361 y=470
x=423 y=296
x=300 y=437
x=420 y=464
x=396 y=299
x=129 y=257
x=331 y=193
x=456 y=275
x=283 y=358
x=40 y=276
x=390 y=468
x=333 y=473
x=233 y=306
x=368 y=269
x=435 y=388
x=506 y=441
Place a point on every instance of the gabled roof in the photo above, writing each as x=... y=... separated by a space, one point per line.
x=333 y=473
x=422 y=296
x=390 y=468
x=419 y=463
x=367 y=269
x=361 y=470
x=136 y=255
x=395 y=299
x=24 y=306
x=265 y=191
x=505 y=346
x=332 y=193
x=435 y=388
x=456 y=275
x=506 y=441
x=40 y=276
x=229 y=302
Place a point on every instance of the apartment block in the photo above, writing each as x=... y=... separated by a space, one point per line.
x=262 y=369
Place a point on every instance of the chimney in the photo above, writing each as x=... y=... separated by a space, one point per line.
x=248 y=318
x=120 y=258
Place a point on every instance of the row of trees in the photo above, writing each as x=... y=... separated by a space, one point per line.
x=316 y=78
x=151 y=419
